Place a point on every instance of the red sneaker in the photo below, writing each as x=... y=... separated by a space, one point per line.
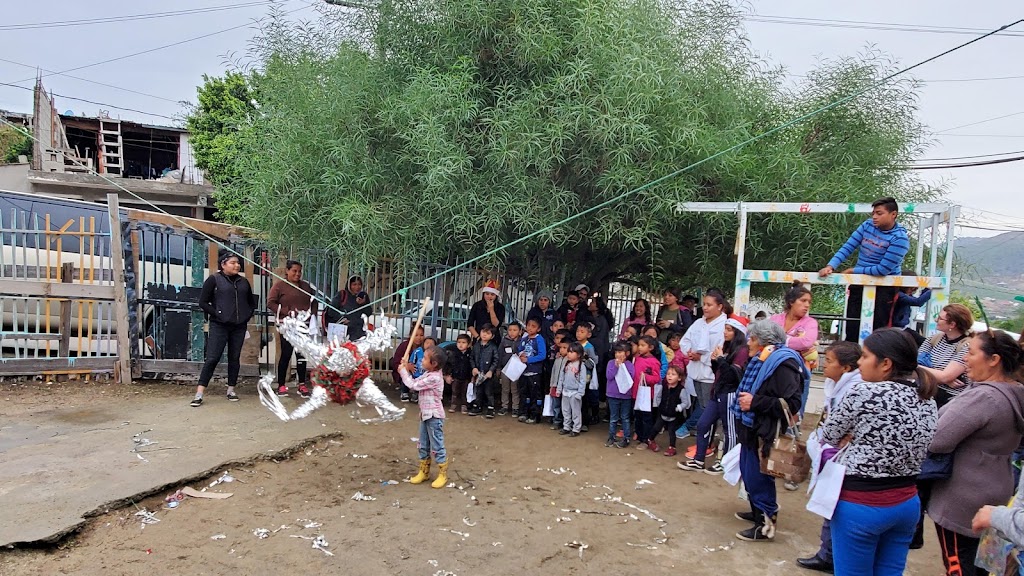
x=282 y=390
x=691 y=452
x=670 y=451
x=303 y=391
x=653 y=446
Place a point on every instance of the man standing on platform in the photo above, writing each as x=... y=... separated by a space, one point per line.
x=883 y=245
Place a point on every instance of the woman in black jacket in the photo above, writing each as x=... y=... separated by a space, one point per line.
x=774 y=373
x=348 y=307
x=229 y=303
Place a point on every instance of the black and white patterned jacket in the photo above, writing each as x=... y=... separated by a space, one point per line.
x=891 y=429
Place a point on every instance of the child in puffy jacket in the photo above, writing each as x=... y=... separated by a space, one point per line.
x=671 y=410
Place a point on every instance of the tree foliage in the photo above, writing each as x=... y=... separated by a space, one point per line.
x=426 y=130
x=216 y=124
x=14 y=142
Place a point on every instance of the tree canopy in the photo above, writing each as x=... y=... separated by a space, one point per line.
x=437 y=130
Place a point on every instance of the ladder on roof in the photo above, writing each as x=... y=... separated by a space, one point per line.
x=111 y=147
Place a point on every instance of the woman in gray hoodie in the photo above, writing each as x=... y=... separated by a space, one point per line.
x=981 y=428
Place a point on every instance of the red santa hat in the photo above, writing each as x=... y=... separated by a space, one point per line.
x=738 y=323
x=491 y=287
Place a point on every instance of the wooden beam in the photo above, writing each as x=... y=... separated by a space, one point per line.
x=64 y=290
x=123 y=372
x=33 y=366
x=214 y=229
x=186 y=367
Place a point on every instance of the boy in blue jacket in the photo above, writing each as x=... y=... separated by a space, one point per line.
x=532 y=352
x=882 y=244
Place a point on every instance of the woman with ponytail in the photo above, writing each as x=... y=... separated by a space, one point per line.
x=883 y=428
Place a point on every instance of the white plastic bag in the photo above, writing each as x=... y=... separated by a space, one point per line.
x=658 y=390
x=826 y=490
x=549 y=405
x=623 y=380
x=594 y=383
x=514 y=369
x=731 y=465
x=470 y=392
x=644 y=395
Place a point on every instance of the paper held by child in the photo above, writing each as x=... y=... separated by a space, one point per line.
x=623 y=380
x=514 y=369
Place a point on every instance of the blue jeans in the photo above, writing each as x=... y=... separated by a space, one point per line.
x=703 y=399
x=804 y=395
x=872 y=540
x=621 y=417
x=825 y=552
x=760 y=488
x=432 y=440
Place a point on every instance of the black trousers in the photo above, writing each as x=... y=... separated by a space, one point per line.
x=284 y=358
x=883 y=309
x=958 y=552
x=221 y=335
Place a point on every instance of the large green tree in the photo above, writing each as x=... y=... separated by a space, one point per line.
x=433 y=130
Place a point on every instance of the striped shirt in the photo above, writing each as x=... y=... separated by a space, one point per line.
x=881 y=251
x=430 y=387
x=943 y=351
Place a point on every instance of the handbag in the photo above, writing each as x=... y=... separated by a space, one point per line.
x=643 y=395
x=827 y=487
x=549 y=406
x=936 y=467
x=787 y=457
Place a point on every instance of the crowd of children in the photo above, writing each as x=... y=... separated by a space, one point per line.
x=562 y=367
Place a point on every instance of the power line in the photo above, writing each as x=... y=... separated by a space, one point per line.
x=981 y=122
x=988 y=79
x=158 y=48
x=965 y=164
x=93 y=102
x=127 y=18
x=985 y=135
x=52 y=72
x=862 y=25
x=968 y=157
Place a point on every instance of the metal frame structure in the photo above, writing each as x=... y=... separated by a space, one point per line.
x=929 y=219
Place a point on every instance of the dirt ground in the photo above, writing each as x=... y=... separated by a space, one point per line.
x=521 y=494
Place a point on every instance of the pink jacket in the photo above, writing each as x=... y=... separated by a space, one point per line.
x=645 y=365
x=802 y=335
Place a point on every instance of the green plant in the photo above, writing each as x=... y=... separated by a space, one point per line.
x=14 y=142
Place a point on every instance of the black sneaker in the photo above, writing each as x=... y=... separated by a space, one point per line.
x=522 y=418
x=232 y=397
x=609 y=443
x=745 y=516
x=414 y=397
x=584 y=429
x=555 y=426
x=573 y=434
x=404 y=397
x=502 y=412
x=622 y=444
x=196 y=402
x=490 y=413
x=563 y=432
x=531 y=421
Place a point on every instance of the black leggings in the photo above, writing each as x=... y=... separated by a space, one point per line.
x=284 y=358
x=660 y=424
x=220 y=336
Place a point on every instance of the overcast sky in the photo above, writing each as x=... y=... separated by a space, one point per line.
x=173 y=73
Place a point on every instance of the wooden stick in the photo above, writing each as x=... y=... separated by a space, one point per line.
x=423 y=310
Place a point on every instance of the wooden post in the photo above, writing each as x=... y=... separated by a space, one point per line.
x=67 y=275
x=123 y=368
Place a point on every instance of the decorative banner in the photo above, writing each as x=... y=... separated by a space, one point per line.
x=340 y=372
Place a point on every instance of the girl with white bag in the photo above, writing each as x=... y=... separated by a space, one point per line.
x=647 y=370
x=841 y=375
